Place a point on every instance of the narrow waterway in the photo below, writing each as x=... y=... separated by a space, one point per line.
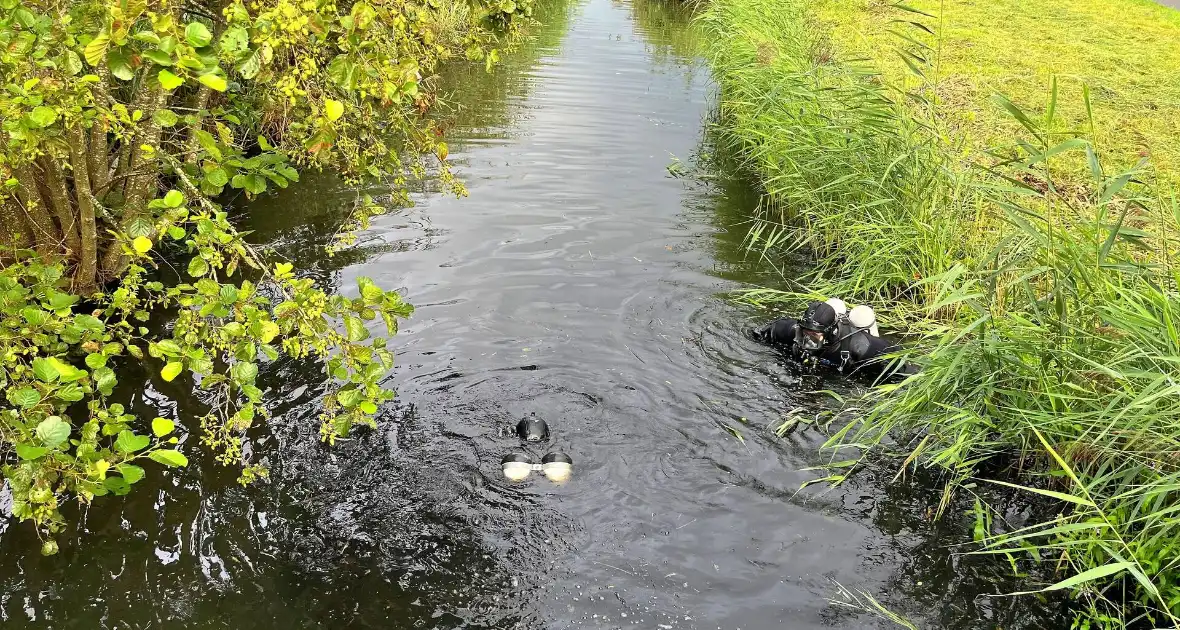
x=581 y=281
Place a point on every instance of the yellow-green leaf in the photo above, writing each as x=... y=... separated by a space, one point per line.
x=213 y=82
x=142 y=244
x=169 y=457
x=172 y=370
x=162 y=426
x=197 y=267
x=333 y=109
x=169 y=81
x=198 y=34
x=96 y=50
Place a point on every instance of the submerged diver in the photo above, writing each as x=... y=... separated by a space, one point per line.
x=827 y=335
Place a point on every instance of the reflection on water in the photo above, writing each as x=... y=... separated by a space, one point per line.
x=581 y=282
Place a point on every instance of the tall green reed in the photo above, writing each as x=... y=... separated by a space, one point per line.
x=1045 y=311
x=852 y=174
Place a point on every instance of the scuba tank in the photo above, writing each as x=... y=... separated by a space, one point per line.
x=860 y=317
x=863 y=318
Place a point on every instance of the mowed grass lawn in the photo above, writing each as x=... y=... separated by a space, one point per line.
x=1126 y=51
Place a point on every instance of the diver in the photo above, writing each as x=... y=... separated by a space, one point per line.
x=831 y=336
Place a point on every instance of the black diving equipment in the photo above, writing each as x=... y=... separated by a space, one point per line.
x=532 y=429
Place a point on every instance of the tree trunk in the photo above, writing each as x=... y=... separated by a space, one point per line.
x=46 y=237
x=14 y=230
x=191 y=144
x=142 y=180
x=63 y=208
x=86 y=276
x=98 y=156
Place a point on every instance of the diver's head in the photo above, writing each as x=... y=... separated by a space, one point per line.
x=815 y=327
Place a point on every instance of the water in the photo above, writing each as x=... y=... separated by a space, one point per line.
x=579 y=281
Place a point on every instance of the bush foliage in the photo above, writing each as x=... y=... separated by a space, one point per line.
x=123 y=122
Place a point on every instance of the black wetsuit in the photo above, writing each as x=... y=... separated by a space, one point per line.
x=851 y=350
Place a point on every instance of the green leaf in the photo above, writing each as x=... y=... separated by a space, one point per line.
x=96 y=50
x=28 y=452
x=209 y=143
x=197 y=35
x=197 y=267
x=171 y=370
x=217 y=177
x=288 y=172
x=176 y=232
x=169 y=458
x=1085 y=576
x=174 y=199
x=252 y=392
x=66 y=373
x=234 y=40
x=343 y=72
x=228 y=294
x=59 y=301
x=95 y=360
x=162 y=426
x=120 y=65
x=250 y=66
x=105 y=380
x=117 y=485
x=128 y=442
x=255 y=184
x=89 y=322
x=140 y=226
x=165 y=117
x=34 y=316
x=267 y=331
x=159 y=57
x=53 y=431
x=130 y=472
x=1060 y=496
x=25 y=18
x=71 y=63
x=349 y=398
x=168 y=348
x=147 y=36
x=169 y=81
x=213 y=82
x=70 y=393
x=369 y=290
x=355 y=328
x=42 y=116
x=333 y=109
x=369 y=407
x=244 y=372
x=25 y=397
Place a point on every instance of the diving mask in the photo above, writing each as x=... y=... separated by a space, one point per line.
x=810 y=340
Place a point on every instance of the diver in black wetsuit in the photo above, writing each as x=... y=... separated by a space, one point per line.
x=824 y=338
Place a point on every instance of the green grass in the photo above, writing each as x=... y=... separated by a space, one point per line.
x=1037 y=280
x=1126 y=51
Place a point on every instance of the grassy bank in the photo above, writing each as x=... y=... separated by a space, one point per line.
x=1127 y=53
x=1027 y=242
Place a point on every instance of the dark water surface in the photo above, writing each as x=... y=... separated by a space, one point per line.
x=580 y=282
